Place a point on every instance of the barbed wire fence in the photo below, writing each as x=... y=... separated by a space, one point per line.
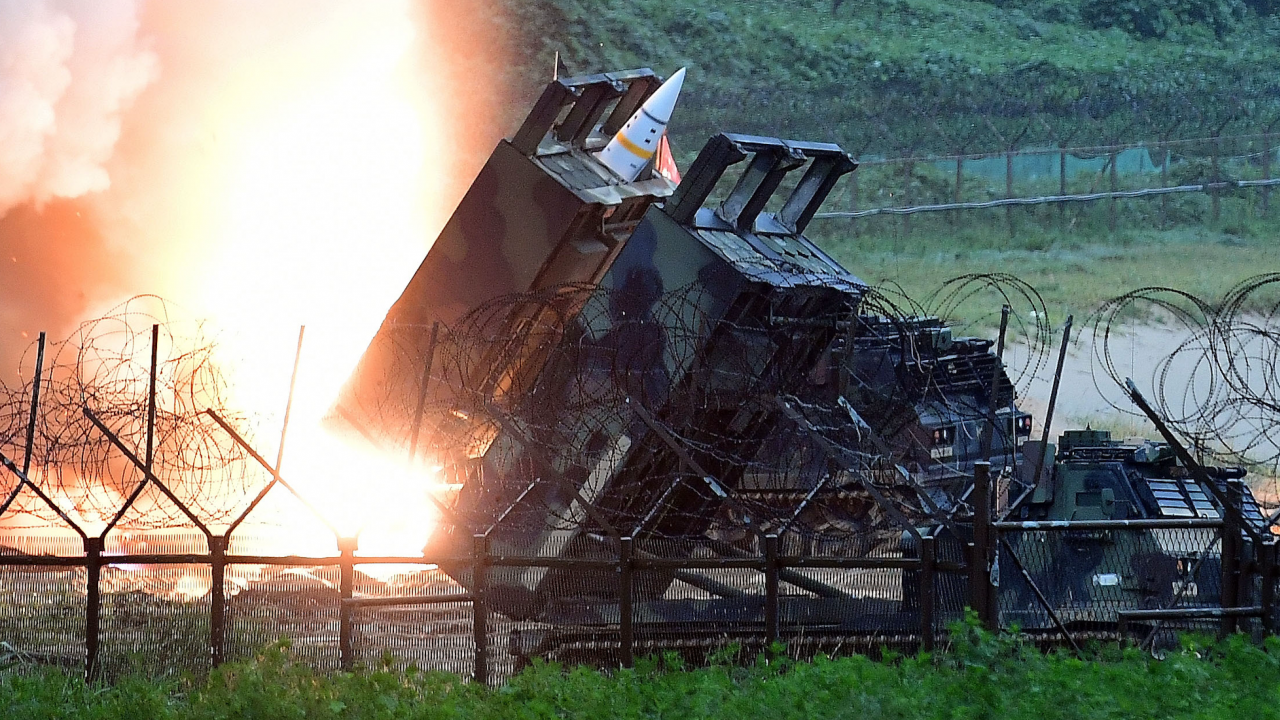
x=756 y=486
x=105 y=366
x=1218 y=386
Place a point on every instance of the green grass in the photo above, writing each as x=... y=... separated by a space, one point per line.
x=977 y=676
x=1075 y=272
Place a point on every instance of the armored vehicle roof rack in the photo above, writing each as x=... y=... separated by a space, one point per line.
x=1087 y=438
x=769 y=246
x=771 y=160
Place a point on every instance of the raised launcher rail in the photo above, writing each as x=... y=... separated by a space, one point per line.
x=543 y=213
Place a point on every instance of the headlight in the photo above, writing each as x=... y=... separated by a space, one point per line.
x=1023 y=425
x=944 y=436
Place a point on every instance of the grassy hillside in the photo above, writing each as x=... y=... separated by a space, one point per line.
x=912 y=77
x=884 y=76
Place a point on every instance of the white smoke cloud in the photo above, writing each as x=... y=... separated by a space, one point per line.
x=69 y=70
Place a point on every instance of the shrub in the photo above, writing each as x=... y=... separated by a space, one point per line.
x=1158 y=18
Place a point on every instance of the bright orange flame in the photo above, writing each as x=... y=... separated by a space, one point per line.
x=190 y=587
x=324 y=215
x=289 y=166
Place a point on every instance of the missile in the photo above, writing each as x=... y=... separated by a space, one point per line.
x=631 y=149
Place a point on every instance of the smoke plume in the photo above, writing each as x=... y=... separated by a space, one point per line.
x=68 y=72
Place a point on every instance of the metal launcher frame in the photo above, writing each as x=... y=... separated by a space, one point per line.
x=758 y=305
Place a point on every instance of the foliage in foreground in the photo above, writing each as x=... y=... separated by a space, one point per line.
x=977 y=676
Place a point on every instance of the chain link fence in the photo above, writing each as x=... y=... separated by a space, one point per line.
x=1086 y=190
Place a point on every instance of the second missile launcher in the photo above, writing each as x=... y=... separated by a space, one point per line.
x=928 y=394
x=757 y=305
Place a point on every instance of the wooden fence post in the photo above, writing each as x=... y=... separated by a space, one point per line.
x=1008 y=189
x=1216 y=194
x=908 y=196
x=853 y=201
x=1062 y=184
x=1112 y=207
x=1164 y=183
x=954 y=215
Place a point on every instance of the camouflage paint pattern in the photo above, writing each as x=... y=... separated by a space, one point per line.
x=1088 y=575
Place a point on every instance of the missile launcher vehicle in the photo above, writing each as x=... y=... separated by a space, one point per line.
x=590 y=357
x=929 y=394
x=756 y=307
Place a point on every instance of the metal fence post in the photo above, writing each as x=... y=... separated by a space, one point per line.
x=1217 y=177
x=625 y=586
x=928 y=558
x=1267 y=594
x=217 y=597
x=93 y=605
x=979 y=563
x=1230 y=582
x=771 y=589
x=347 y=580
x=1266 y=173
x=479 y=608
x=1112 y=222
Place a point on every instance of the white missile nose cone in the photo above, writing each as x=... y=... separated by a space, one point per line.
x=662 y=103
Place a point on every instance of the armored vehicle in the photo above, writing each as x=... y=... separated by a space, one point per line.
x=1088 y=574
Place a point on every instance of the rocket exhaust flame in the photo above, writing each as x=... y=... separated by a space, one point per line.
x=264 y=173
